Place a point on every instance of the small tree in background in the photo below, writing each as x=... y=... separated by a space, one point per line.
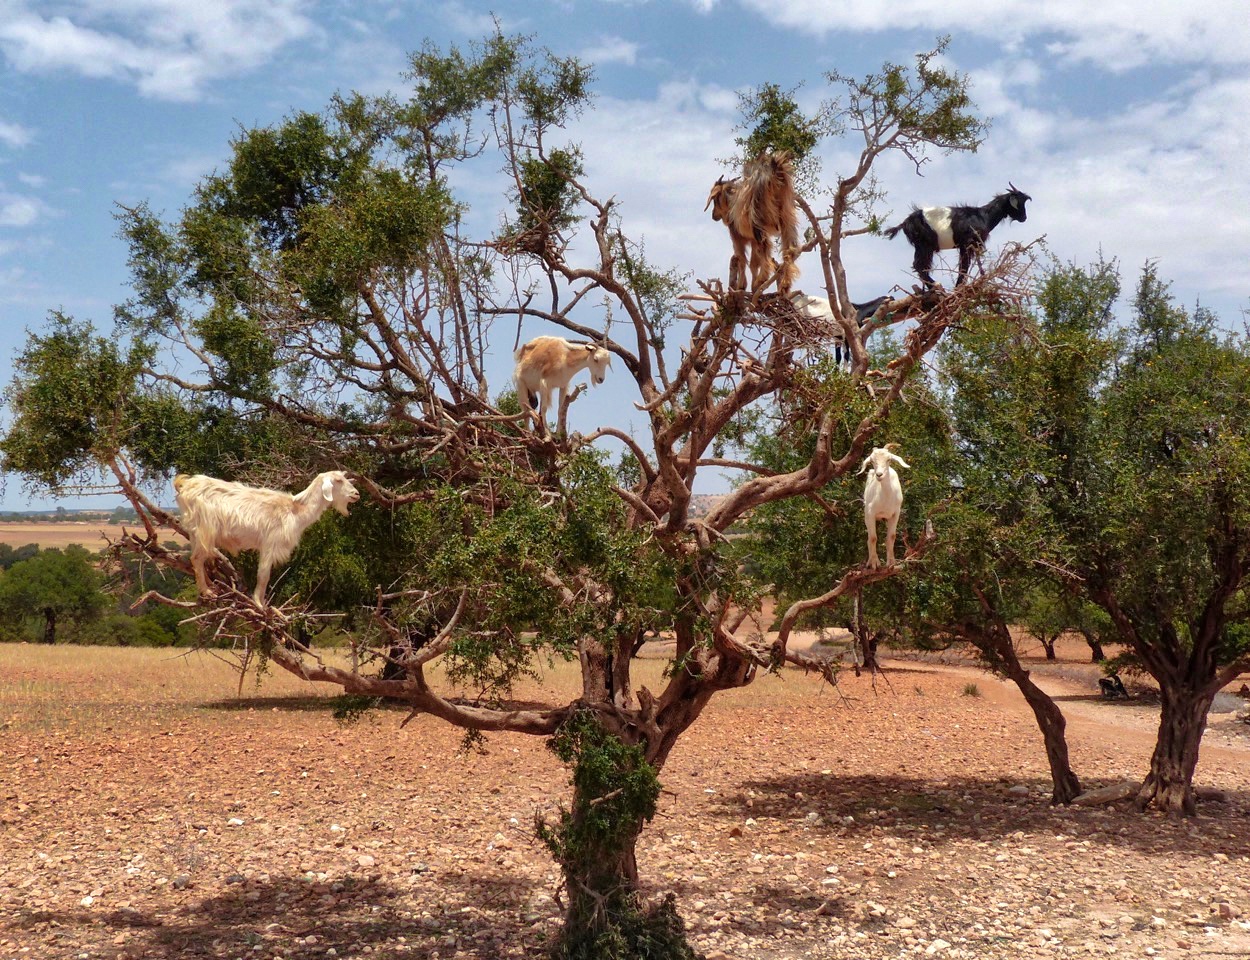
x=53 y=586
x=340 y=313
x=1129 y=447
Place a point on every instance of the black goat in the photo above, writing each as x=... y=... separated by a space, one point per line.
x=1112 y=687
x=966 y=228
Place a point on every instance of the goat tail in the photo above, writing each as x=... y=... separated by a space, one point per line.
x=786 y=276
x=179 y=480
x=892 y=232
x=789 y=236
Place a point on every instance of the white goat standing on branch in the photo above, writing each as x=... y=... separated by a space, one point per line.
x=883 y=500
x=221 y=515
x=549 y=363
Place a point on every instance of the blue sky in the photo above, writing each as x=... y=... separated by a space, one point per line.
x=1125 y=121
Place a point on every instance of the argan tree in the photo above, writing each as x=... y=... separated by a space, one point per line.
x=324 y=302
x=1128 y=445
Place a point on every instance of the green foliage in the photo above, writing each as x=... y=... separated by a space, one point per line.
x=11 y=555
x=656 y=290
x=614 y=785
x=1117 y=455
x=68 y=404
x=803 y=548
x=53 y=585
x=933 y=106
x=971 y=690
x=547 y=200
x=632 y=932
x=774 y=121
x=351 y=708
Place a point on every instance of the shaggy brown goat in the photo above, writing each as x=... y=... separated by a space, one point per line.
x=756 y=207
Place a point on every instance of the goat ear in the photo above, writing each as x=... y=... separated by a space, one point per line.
x=714 y=192
x=900 y=461
x=867 y=460
x=327 y=488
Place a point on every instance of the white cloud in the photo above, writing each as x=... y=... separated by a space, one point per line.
x=18 y=211
x=1115 y=35
x=32 y=180
x=14 y=134
x=170 y=49
x=468 y=21
x=1162 y=178
x=611 y=50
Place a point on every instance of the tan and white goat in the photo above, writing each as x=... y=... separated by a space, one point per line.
x=756 y=207
x=223 y=516
x=546 y=364
x=883 y=500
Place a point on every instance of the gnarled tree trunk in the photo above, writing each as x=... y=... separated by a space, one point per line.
x=1048 y=644
x=1182 y=721
x=1095 y=647
x=1050 y=720
x=994 y=641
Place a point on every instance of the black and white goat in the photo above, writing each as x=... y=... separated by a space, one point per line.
x=964 y=228
x=818 y=308
x=1112 y=687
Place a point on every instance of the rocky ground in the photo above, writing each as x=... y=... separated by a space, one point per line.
x=145 y=814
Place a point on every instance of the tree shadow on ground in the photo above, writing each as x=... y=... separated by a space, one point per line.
x=314 y=704
x=1145 y=699
x=291 y=704
x=970 y=809
x=461 y=913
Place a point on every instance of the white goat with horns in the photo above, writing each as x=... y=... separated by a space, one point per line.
x=546 y=364
x=220 y=515
x=883 y=500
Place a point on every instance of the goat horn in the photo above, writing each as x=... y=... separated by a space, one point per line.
x=1012 y=187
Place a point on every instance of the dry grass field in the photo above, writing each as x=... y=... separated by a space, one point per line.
x=150 y=807
x=89 y=535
